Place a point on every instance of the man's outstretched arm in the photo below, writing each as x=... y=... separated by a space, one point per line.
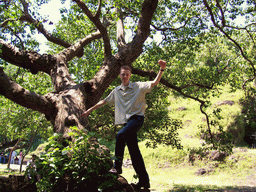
x=156 y=81
x=98 y=105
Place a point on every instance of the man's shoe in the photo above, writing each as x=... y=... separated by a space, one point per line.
x=140 y=185
x=115 y=171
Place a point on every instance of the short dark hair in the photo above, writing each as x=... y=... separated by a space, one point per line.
x=126 y=67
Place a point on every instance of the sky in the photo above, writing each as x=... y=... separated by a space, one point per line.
x=52 y=11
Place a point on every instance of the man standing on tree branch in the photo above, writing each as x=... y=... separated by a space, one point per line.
x=130 y=105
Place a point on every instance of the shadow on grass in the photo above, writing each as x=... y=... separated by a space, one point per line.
x=202 y=188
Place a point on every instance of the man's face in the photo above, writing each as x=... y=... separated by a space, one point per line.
x=125 y=76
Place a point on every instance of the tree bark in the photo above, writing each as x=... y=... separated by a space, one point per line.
x=13 y=149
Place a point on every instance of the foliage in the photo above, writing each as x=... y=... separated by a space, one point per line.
x=227 y=120
x=20 y=122
x=79 y=163
x=248 y=112
x=159 y=128
x=219 y=140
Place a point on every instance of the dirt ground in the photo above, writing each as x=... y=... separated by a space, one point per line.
x=12 y=167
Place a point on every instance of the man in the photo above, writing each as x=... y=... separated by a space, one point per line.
x=130 y=105
x=20 y=156
x=13 y=155
x=2 y=157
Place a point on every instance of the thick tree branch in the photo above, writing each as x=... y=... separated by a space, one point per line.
x=23 y=97
x=120 y=30
x=55 y=66
x=4 y=23
x=73 y=50
x=211 y=14
x=40 y=27
x=61 y=78
x=98 y=13
x=99 y=25
x=60 y=75
x=30 y=60
x=143 y=30
x=102 y=79
x=223 y=20
x=152 y=75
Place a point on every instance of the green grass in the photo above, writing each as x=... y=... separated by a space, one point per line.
x=169 y=168
x=192 y=117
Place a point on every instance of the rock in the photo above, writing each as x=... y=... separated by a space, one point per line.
x=121 y=184
x=127 y=163
x=225 y=102
x=181 y=109
x=187 y=136
x=201 y=171
x=233 y=158
x=218 y=156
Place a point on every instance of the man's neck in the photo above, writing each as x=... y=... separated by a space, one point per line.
x=126 y=84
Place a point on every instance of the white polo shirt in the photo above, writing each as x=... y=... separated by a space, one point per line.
x=129 y=100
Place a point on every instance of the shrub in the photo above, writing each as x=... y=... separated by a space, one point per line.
x=71 y=165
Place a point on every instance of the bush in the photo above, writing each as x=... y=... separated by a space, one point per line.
x=71 y=165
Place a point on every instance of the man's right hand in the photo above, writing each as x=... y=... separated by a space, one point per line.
x=85 y=114
x=98 y=105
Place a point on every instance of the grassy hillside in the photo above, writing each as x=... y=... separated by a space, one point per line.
x=189 y=112
x=171 y=170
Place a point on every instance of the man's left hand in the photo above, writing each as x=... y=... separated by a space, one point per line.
x=162 y=63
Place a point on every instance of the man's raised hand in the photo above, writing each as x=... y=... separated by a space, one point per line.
x=162 y=63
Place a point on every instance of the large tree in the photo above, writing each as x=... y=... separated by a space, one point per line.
x=64 y=106
x=184 y=26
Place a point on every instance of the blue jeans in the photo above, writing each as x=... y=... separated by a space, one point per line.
x=128 y=135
